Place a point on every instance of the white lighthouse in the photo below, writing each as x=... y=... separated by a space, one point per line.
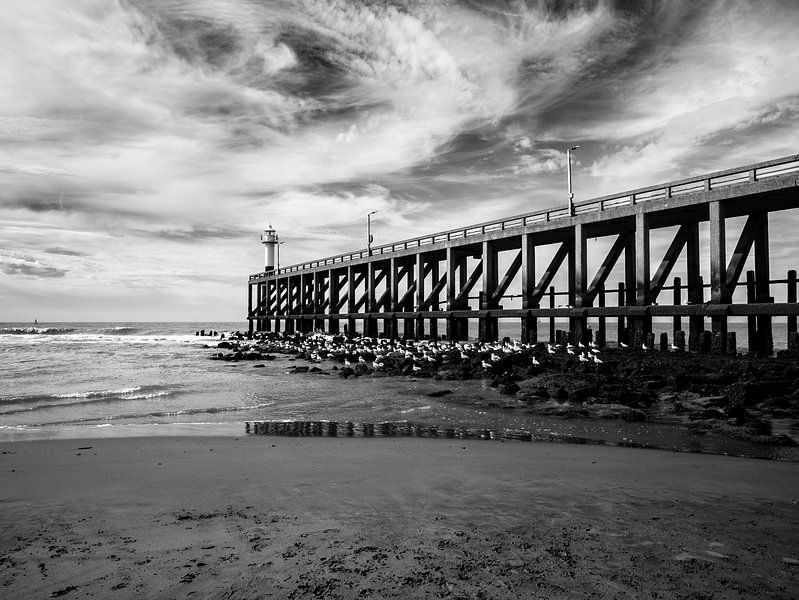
x=269 y=239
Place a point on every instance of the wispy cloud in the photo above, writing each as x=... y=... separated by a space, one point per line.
x=28 y=266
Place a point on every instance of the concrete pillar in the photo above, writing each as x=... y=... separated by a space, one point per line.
x=718 y=274
x=763 y=288
x=435 y=305
x=488 y=324
x=696 y=294
x=350 y=325
x=578 y=282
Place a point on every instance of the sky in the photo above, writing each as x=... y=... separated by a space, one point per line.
x=145 y=144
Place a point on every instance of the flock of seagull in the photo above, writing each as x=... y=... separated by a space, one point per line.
x=375 y=353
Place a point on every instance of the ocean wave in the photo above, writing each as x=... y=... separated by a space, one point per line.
x=78 y=401
x=36 y=330
x=211 y=410
x=120 y=330
x=99 y=393
x=38 y=401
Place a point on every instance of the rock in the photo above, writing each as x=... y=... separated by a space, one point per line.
x=346 y=372
x=455 y=373
x=712 y=413
x=361 y=369
x=509 y=389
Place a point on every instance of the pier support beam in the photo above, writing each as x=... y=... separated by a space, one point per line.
x=718 y=274
x=763 y=289
x=529 y=322
x=457 y=327
x=489 y=325
x=578 y=284
x=640 y=326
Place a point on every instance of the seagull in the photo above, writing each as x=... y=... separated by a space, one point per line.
x=583 y=358
x=644 y=347
x=486 y=365
x=570 y=351
x=464 y=356
x=623 y=345
x=377 y=365
x=597 y=360
x=416 y=369
x=674 y=348
x=550 y=349
x=347 y=363
x=495 y=357
x=535 y=361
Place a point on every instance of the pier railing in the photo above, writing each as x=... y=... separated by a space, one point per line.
x=702 y=183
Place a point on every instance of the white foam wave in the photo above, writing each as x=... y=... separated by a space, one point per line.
x=99 y=393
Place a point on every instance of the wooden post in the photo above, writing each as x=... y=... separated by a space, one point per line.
x=552 y=319
x=751 y=321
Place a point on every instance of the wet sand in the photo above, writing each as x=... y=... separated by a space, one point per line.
x=274 y=517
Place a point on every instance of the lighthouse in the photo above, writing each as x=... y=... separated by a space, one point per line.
x=269 y=239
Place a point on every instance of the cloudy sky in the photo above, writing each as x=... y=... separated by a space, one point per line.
x=145 y=143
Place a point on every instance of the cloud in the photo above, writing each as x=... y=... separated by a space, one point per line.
x=153 y=139
x=28 y=266
x=63 y=252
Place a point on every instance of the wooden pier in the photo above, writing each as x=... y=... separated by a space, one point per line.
x=475 y=273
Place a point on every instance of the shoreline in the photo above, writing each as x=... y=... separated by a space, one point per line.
x=288 y=428
x=392 y=517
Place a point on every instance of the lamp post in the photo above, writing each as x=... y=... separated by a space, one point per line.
x=369 y=233
x=569 y=175
x=277 y=247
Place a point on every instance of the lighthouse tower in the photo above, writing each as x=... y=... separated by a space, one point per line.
x=269 y=239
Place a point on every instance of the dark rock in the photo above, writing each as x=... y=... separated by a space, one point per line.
x=361 y=369
x=439 y=393
x=346 y=372
x=509 y=389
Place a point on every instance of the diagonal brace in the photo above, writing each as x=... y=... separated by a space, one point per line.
x=667 y=264
x=549 y=274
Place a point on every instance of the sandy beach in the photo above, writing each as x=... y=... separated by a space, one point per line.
x=268 y=517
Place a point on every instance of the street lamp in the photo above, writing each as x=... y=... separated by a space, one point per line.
x=569 y=175
x=277 y=247
x=369 y=233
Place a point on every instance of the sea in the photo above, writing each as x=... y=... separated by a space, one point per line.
x=100 y=380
